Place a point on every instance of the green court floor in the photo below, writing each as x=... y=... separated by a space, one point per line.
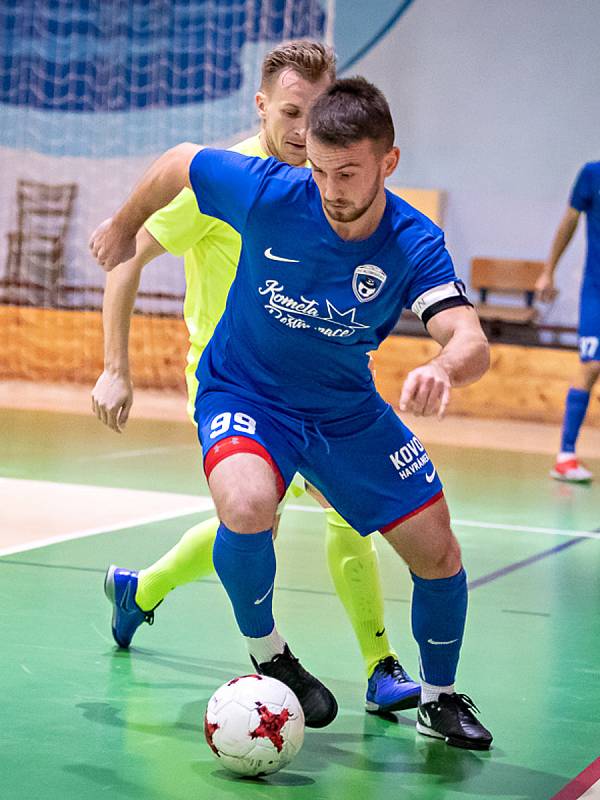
x=82 y=719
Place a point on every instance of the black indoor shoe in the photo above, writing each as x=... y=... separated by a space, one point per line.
x=451 y=718
x=319 y=705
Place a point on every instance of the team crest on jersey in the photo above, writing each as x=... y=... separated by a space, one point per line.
x=367 y=282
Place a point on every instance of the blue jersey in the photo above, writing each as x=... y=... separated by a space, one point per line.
x=585 y=197
x=306 y=306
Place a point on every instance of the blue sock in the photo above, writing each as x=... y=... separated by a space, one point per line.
x=575 y=408
x=439 y=612
x=245 y=563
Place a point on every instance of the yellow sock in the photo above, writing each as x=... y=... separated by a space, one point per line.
x=354 y=568
x=191 y=558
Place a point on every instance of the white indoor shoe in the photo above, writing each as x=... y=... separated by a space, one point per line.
x=571 y=470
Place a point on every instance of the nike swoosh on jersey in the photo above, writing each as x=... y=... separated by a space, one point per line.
x=273 y=257
x=264 y=597
x=430 y=477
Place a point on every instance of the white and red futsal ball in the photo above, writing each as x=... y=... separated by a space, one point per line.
x=254 y=725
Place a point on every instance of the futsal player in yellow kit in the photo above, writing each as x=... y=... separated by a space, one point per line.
x=293 y=76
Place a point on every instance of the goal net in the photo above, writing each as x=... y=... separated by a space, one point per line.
x=90 y=94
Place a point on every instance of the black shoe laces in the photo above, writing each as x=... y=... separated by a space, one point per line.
x=287 y=669
x=393 y=668
x=288 y=662
x=149 y=615
x=465 y=702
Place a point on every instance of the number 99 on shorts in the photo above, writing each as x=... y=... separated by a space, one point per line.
x=242 y=423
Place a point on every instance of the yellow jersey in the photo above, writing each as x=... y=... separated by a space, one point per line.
x=211 y=251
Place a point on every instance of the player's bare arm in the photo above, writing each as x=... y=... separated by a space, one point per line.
x=112 y=396
x=464 y=358
x=113 y=242
x=545 y=288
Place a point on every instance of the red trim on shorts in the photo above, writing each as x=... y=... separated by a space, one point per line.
x=241 y=444
x=430 y=502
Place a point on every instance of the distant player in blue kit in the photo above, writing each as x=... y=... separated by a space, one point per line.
x=585 y=197
x=329 y=259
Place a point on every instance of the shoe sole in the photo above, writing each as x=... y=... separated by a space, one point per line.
x=405 y=703
x=464 y=744
x=319 y=723
x=325 y=722
x=558 y=477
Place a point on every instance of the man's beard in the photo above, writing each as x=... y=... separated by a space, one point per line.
x=351 y=213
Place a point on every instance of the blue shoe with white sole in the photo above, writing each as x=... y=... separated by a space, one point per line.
x=390 y=688
x=120 y=586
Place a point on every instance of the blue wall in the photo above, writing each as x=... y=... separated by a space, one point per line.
x=498 y=103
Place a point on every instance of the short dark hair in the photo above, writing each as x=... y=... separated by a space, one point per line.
x=312 y=60
x=352 y=109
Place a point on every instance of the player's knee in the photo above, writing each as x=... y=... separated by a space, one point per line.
x=449 y=559
x=249 y=509
x=588 y=375
x=594 y=372
x=444 y=560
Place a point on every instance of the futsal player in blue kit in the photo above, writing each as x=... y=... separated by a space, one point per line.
x=585 y=198
x=329 y=259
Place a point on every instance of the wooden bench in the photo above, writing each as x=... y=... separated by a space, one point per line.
x=510 y=277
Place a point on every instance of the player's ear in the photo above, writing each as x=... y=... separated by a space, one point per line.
x=390 y=161
x=260 y=98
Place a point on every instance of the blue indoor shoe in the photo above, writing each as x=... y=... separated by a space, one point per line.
x=390 y=688
x=120 y=586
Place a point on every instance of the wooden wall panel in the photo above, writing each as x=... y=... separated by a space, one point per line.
x=527 y=383
x=50 y=345
x=66 y=346
x=428 y=201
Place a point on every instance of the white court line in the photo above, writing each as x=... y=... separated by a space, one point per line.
x=202 y=504
x=468 y=523
x=116 y=489
x=593 y=793
x=307 y=509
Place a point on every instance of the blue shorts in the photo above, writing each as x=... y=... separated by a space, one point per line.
x=369 y=466
x=589 y=323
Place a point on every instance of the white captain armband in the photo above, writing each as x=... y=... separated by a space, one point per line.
x=431 y=302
